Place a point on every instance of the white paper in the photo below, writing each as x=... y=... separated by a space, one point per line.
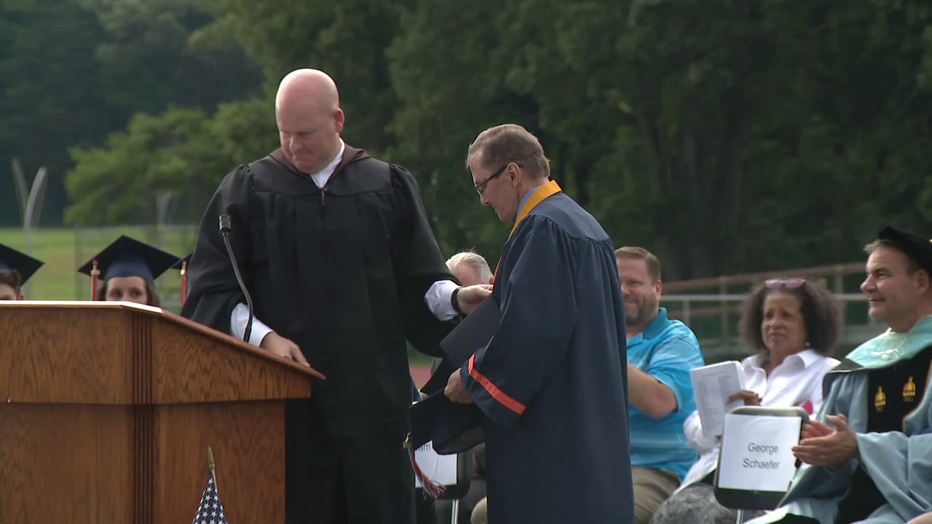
x=439 y=468
x=757 y=452
x=712 y=385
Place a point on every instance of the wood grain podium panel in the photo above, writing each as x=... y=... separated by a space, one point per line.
x=192 y=366
x=86 y=464
x=124 y=354
x=250 y=464
x=66 y=463
x=107 y=411
x=66 y=355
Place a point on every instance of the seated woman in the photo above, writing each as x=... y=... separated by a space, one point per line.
x=128 y=268
x=15 y=269
x=794 y=326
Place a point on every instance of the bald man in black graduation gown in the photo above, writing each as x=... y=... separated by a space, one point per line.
x=341 y=270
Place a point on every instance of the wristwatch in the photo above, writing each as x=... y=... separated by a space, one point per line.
x=454 y=301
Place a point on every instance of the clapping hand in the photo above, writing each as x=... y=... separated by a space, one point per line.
x=827 y=447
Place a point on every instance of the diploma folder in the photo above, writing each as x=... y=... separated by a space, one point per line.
x=454 y=427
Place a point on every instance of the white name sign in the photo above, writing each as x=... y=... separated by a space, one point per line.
x=757 y=452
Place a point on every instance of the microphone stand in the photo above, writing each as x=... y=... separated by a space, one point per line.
x=226 y=226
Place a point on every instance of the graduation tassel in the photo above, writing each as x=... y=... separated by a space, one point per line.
x=431 y=487
x=94 y=273
x=184 y=281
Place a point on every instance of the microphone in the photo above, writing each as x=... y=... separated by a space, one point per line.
x=226 y=226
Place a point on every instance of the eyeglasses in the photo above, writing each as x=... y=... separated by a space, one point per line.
x=789 y=283
x=481 y=186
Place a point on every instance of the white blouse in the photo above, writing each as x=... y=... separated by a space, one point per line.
x=797 y=381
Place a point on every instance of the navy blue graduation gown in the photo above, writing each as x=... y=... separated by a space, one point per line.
x=552 y=383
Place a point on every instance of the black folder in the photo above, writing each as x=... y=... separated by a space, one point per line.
x=473 y=333
x=451 y=426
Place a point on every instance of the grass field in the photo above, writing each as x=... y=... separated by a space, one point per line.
x=64 y=250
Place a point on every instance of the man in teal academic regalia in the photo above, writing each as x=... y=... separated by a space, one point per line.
x=868 y=456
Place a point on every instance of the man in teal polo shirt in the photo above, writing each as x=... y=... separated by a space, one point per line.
x=660 y=354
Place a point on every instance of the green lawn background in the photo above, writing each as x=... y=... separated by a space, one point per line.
x=64 y=250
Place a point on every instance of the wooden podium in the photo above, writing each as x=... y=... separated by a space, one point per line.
x=107 y=410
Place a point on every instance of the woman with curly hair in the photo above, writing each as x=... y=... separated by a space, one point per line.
x=793 y=326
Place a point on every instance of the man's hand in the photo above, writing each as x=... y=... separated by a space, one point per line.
x=816 y=429
x=654 y=398
x=281 y=346
x=470 y=297
x=823 y=446
x=455 y=390
x=750 y=398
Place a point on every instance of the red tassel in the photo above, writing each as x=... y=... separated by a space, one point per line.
x=431 y=487
x=94 y=273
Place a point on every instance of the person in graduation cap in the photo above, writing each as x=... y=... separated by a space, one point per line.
x=15 y=269
x=866 y=458
x=126 y=270
x=552 y=383
x=337 y=254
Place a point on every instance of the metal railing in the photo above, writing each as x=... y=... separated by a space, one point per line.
x=725 y=301
x=712 y=306
x=837 y=272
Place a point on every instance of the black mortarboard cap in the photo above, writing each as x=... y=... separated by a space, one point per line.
x=13 y=260
x=454 y=427
x=181 y=261
x=127 y=257
x=917 y=248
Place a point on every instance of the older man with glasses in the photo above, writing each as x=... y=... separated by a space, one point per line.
x=552 y=383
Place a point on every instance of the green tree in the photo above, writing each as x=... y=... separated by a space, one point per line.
x=449 y=69
x=172 y=152
x=346 y=39
x=146 y=62
x=725 y=135
x=72 y=71
x=50 y=96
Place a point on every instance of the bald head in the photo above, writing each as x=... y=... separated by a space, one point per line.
x=307 y=110
x=307 y=87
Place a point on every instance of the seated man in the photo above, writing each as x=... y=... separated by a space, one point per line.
x=15 y=269
x=660 y=354
x=875 y=465
x=470 y=269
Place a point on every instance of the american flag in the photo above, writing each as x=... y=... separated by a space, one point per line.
x=210 y=510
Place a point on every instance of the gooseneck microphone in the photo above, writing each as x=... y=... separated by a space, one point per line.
x=226 y=226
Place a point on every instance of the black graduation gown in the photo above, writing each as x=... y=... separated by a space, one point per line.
x=341 y=271
x=552 y=383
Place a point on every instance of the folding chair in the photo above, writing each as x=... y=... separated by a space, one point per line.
x=746 y=499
